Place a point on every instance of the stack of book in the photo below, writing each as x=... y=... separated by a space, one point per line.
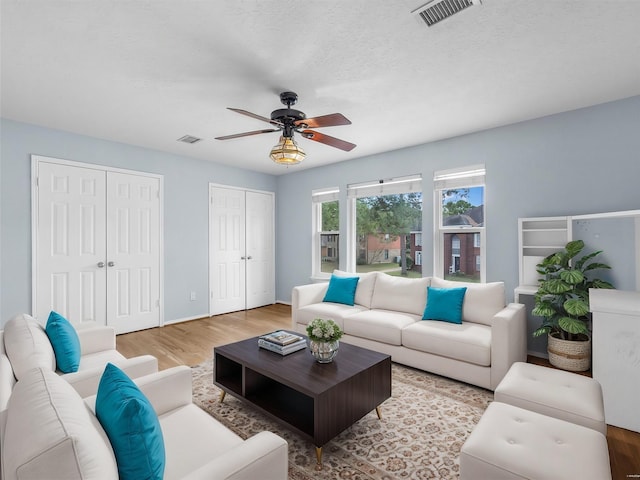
x=282 y=342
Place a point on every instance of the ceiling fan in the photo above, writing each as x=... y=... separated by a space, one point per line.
x=288 y=120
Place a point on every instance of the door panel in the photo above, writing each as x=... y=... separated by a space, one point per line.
x=133 y=276
x=259 y=266
x=227 y=237
x=71 y=243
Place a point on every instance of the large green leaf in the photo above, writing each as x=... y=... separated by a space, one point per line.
x=586 y=258
x=574 y=247
x=556 y=286
x=597 y=283
x=572 y=277
x=573 y=325
x=543 y=310
x=594 y=266
x=576 y=307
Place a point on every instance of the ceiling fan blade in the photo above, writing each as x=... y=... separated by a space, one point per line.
x=328 y=140
x=256 y=116
x=330 y=120
x=246 y=134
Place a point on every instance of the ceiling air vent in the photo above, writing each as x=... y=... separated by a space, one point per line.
x=189 y=139
x=438 y=10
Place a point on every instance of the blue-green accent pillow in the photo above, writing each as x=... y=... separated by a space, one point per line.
x=341 y=290
x=132 y=426
x=65 y=342
x=444 y=304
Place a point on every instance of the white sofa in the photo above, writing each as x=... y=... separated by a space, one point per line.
x=25 y=345
x=387 y=317
x=49 y=431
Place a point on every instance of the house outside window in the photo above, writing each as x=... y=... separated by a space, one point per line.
x=326 y=231
x=382 y=219
x=459 y=251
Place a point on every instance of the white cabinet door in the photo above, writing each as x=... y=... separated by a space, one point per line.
x=133 y=276
x=227 y=244
x=241 y=250
x=97 y=246
x=70 y=262
x=260 y=247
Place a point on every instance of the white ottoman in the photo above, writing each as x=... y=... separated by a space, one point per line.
x=513 y=443
x=556 y=393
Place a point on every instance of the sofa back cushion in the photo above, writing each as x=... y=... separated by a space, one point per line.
x=481 y=300
x=27 y=345
x=51 y=433
x=400 y=294
x=364 y=290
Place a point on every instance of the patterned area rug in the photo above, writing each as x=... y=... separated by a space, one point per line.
x=423 y=427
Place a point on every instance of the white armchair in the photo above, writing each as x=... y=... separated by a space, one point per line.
x=48 y=431
x=24 y=345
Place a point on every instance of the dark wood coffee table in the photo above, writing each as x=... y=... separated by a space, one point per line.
x=316 y=400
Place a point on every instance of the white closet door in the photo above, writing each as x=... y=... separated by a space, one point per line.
x=227 y=247
x=70 y=243
x=133 y=274
x=260 y=249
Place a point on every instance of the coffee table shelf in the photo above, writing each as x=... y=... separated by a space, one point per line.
x=318 y=401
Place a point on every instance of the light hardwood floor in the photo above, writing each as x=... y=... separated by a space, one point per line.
x=191 y=343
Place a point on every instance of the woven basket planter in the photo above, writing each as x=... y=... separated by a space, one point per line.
x=574 y=356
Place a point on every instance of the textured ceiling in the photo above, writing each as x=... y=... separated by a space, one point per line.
x=148 y=72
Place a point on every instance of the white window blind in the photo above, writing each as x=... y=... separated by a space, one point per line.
x=469 y=176
x=325 y=195
x=389 y=186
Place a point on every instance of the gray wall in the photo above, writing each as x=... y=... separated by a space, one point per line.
x=186 y=193
x=584 y=161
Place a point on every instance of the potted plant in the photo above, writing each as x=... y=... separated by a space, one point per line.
x=323 y=339
x=562 y=300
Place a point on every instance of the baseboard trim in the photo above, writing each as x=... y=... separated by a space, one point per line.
x=186 y=319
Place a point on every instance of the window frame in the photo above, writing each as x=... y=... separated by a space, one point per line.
x=318 y=197
x=390 y=186
x=465 y=177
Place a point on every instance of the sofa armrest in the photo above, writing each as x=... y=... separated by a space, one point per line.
x=303 y=295
x=86 y=382
x=264 y=456
x=168 y=389
x=508 y=340
x=96 y=339
x=7 y=381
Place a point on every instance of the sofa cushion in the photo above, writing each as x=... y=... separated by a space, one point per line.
x=27 y=345
x=51 y=433
x=132 y=426
x=469 y=342
x=341 y=290
x=334 y=311
x=364 y=291
x=444 y=304
x=65 y=342
x=400 y=294
x=380 y=325
x=481 y=301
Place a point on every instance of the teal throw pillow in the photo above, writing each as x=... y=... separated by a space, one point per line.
x=444 y=304
x=341 y=290
x=132 y=426
x=65 y=342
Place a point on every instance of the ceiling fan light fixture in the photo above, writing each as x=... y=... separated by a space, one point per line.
x=287 y=152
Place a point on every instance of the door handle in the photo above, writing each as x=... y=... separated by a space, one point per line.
x=243 y=258
x=249 y=257
x=111 y=264
x=100 y=264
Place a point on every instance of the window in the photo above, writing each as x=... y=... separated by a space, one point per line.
x=326 y=231
x=384 y=216
x=460 y=224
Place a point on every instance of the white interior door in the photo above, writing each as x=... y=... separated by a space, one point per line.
x=71 y=243
x=227 y=246
x=133 y=274
x=260 y=248
x=97 y=245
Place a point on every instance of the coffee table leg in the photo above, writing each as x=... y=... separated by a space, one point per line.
x=319 y=456
x=378 y=412
x=222 y=394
